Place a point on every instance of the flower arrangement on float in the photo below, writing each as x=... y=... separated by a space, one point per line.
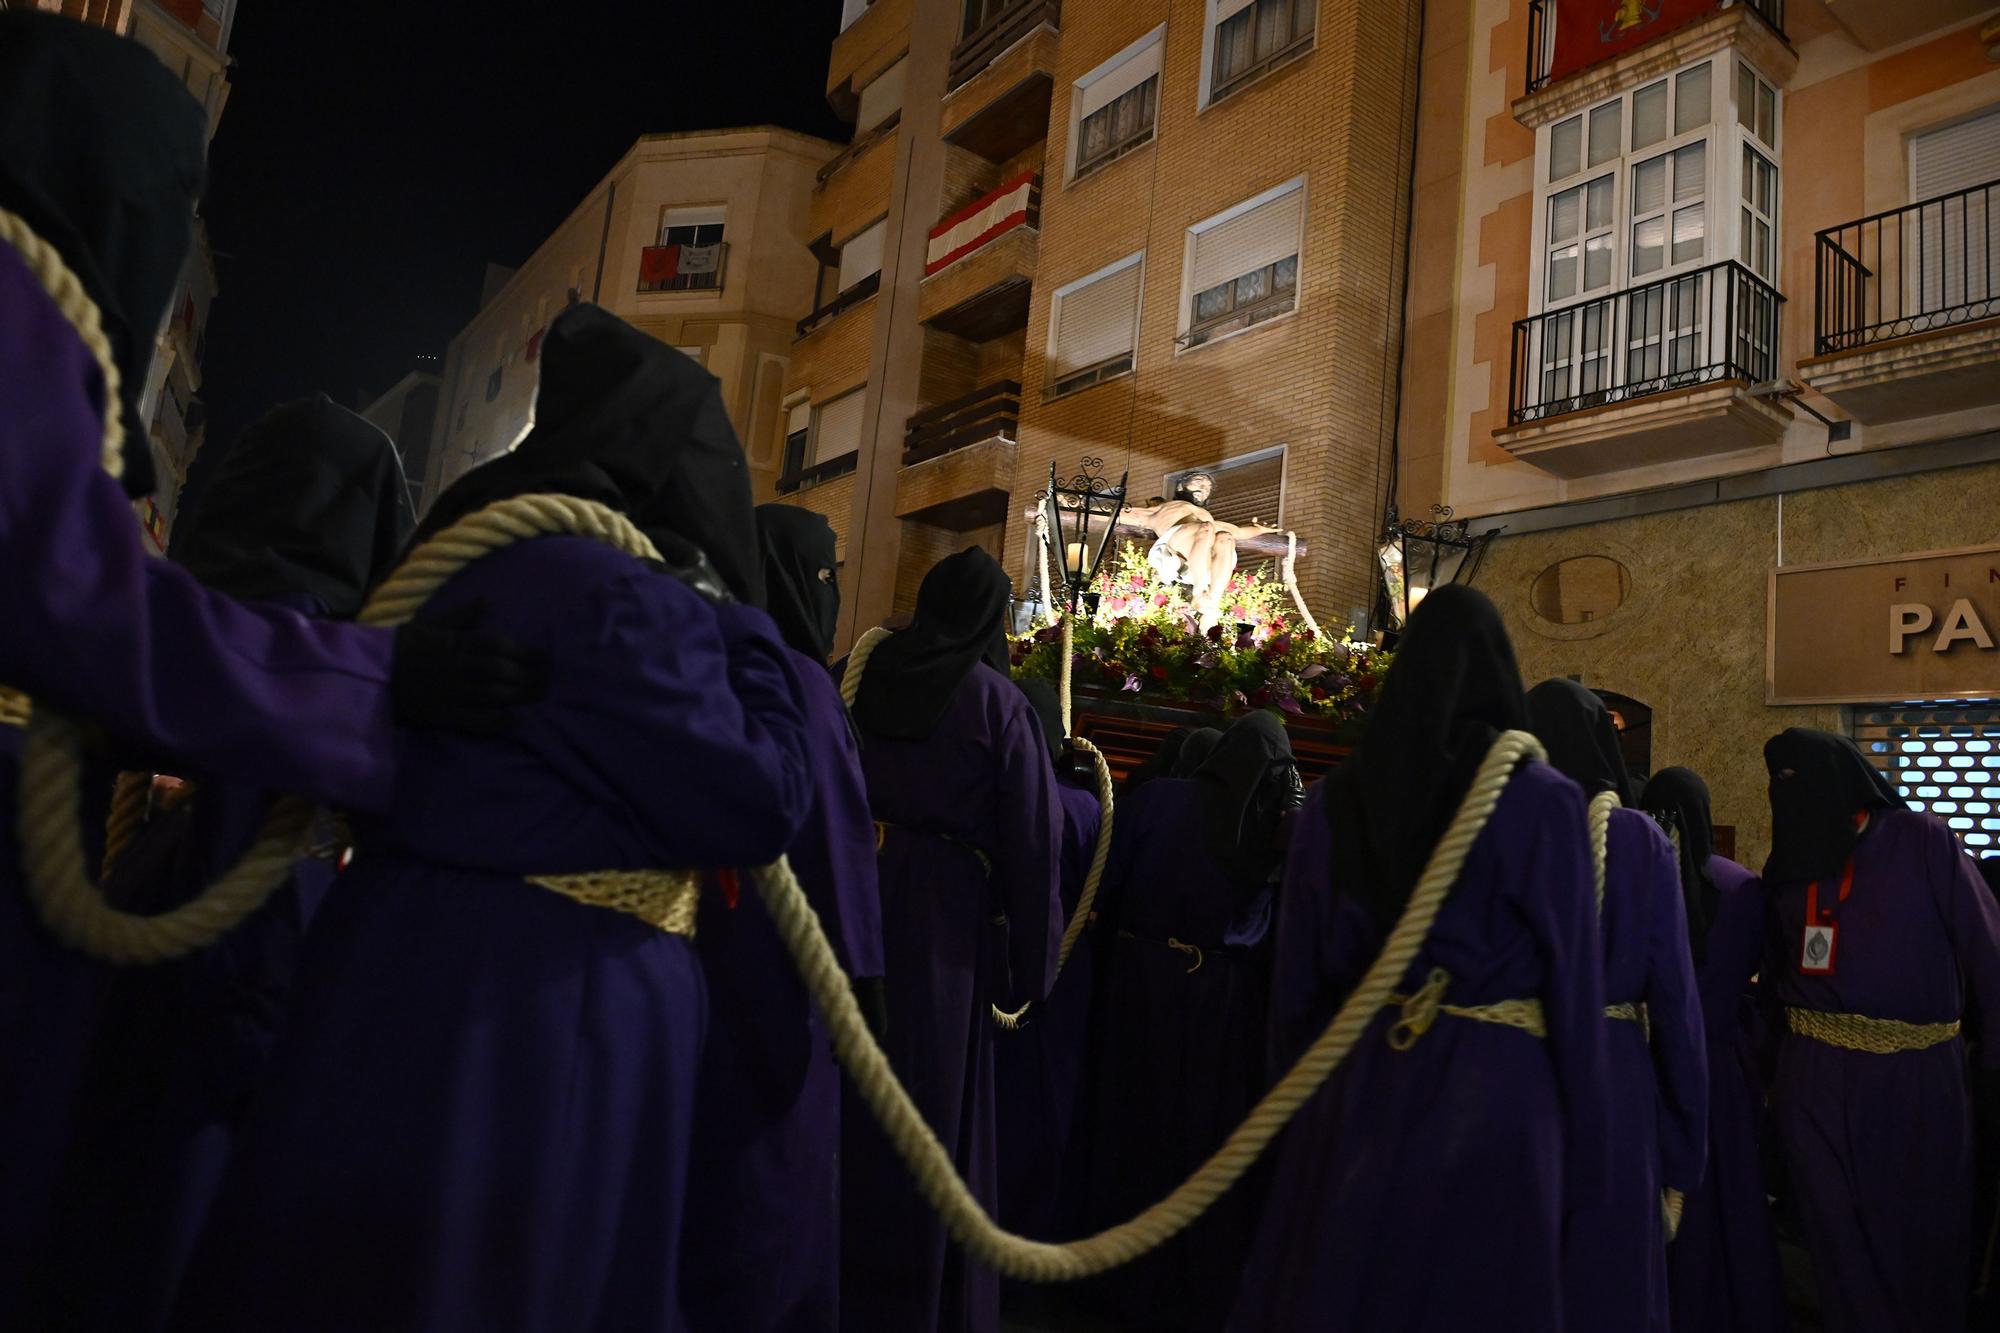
x=1137 y=637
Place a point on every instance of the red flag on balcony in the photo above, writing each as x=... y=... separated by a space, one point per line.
x=657 y=263
x=1588 y=31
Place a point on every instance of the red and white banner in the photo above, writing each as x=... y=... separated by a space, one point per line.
x=979 y=222
x=658 y=263
x=1588 y=31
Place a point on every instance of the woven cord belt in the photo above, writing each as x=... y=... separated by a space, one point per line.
x=14 y=708
x=1875 y=1036
x=1629 y=1011
x=664 y=899
x=1421 y=1010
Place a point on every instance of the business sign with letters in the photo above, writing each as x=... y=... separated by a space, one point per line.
x=1883 y=631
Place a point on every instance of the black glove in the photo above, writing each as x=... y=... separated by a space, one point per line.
x=690 y=564
x=873 y=997
x=449 y=676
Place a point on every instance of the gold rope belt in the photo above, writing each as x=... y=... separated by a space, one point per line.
x=1630 y=1011
x=882 y=827
x=663 y=899
x=1876 y=1036
x=14 y=708
x=1420 y=1010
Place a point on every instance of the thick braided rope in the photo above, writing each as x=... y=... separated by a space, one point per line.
x=1040 y=1261
x=1086 y=901
x=857 y=661
x=1873 y=1036
x=75 y=910
x=1601 y=806
x=128 y=814
x=66 y=290
x=14 y=708
x=484 y=531
x=1290 y=572
x=1065 y=695
x=47 y=809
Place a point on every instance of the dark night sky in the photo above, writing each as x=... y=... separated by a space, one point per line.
x=375 y=154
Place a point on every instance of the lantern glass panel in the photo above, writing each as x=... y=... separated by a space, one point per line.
x=1391 y=556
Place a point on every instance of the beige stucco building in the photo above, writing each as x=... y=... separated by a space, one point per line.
x=1167 y=234
x=1710 y=302
x=695 y=238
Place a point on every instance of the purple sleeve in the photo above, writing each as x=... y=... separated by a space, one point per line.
x=1302 y=992
x=1735 y=945
x=850 y=903
x=1027 y=858
x=1974 y=923
x=1673 y=1008
x=1556 y=895
x=101 y=630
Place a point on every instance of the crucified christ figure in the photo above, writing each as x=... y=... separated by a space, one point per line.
x=1193 y=546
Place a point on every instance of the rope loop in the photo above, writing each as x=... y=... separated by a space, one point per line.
x=1601 y=806
x=1193 y=950
x=1419 y=1011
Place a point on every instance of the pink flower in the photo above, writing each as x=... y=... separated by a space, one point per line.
x=1138 y=580
x=1159 y=599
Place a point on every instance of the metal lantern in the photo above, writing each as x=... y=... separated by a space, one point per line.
x=1079 y=516
x=1418 y=555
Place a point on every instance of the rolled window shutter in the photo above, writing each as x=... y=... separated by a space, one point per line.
x=1249 y=490
x=1096 y=323
x=1115 y=83
x=1263 y=235
x=839 y=431
x=1228 y=9
x=1957 y=157
x=880 y=98
x=861 y=256
x=798 y=418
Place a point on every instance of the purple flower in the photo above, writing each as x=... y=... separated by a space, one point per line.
x=1131 y=683
x=1313 y=672
x=1289 y=704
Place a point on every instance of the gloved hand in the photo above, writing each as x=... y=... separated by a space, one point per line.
x=447 y=675
x=873 y=997
x=690 y=564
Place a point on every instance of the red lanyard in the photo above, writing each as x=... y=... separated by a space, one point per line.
x=1846 y=877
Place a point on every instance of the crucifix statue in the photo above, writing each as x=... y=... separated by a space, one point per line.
x=1193 y=546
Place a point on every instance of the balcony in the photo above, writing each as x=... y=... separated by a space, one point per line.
x=958 y=459
x=856 y=191
x=1004 y=109
x=1656 y=374
x=991 y=412
x=1906 y=320
x=980 y=266
x=1551 y=58
x=847 y=300
x=877 y=39
x=991 y=26
x=683 y=268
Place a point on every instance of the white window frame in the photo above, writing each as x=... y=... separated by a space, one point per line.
x=813 y=456
x=1151 y=48
x=1721 y=194
x=1214 y=14
x=1069 y=382
x=1184 y=320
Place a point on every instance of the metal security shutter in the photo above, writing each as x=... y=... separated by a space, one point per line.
x=1945 y=761
x=838 y=427
x=1115 y=83
x=1097 y=322
x=1246 y=491
x=1259 y=236
x=862 y=255
x=1957 y=247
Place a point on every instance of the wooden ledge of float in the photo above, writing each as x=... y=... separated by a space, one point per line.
x=1129 y=731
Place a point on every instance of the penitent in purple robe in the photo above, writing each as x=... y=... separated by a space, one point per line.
x=1039 y=1067
x=101 y=630
x=977 y=791
x=177 y=1053
x=1879 y=1146
x=1615 y=1252
x=480 y=1115
x=1177 y=1054
x=1423 y=1191
x=762 y=1252
x=1722 y=1268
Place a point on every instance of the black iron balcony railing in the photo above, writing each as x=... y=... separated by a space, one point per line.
x=983 y=414
x=1915 y=269
x=1702 y=327
x=991 y=26
x=1542 y=43
x=847 y=300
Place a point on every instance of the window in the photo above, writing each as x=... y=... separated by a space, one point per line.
x=881 y=99
x=979 y=13
x=1243 y=265
x=1957 y=240
x=1249 y=38
x=851 y=11
x=861 y=257
x=690 y=253
x=836 y=427
x=798 y=432
x=1944 y=761
x=1094 y=327
x=1669 y=224
x=1247 y=489
x=1758 y=227
x=1114 y=107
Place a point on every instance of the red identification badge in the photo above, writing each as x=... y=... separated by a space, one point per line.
x=731 y=889
x=1822 y=931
